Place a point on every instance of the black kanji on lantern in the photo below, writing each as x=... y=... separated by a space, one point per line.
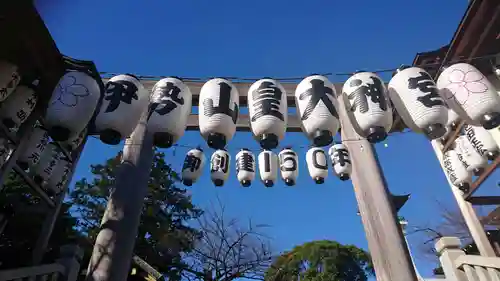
x=341 y=156
x=168 y=100
x=267 y=100
x=31 y=101
x=245 y=162
x=120 y=91
x=192 y=163
x=224 y=106
x=22 y=115
x=424 y=83
x=318 y=92
x=315 y=159
x=220 y=163
x=374 y=90
x=288 y=156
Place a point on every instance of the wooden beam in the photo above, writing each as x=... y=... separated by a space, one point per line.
x=484 y=200
x=486 y=173
x=452 y=137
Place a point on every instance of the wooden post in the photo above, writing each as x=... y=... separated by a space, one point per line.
x=386 y=242
x=115 y=242
x=448 y=249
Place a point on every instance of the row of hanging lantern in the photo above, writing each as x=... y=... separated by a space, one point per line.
x=469 y=156
x=269 y=163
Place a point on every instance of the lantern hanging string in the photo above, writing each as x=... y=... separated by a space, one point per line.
x=293 y=79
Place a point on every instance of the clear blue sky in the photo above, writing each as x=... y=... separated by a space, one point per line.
x=278 y=39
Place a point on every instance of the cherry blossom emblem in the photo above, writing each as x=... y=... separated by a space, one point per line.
x=463 y=84
x=70 y=91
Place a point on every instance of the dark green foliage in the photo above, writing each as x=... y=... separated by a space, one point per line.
x=321 y=261
x=166 y=211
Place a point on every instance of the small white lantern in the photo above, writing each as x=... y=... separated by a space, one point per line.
x=268 y=167
x=33 y=150
x=469 y=157
x=169 y=110
x=56 y=181
x=193 y=166
x=245 y=167
x=467 y=91
x=456 y=171
x=289 y=166
x=267 y=107
x=48 y=162
x=72 y=105
x=317 y=106
x=417 y=100
x=219 y=167
x=18 y=107
x=317 y=164
x=218 y=112
x=367 y=105
x=75 y=142
x=6 y=149
x=341 y=161
x=9 y=79
x=125 y=99
x=482 y=141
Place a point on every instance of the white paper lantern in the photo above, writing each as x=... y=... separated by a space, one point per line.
x=417 y=100
x=48 y=161
x=267 y=108
x=317 y=106
x=33 y=150
x=341 y=161
x=219 y=167
x=245 y=167
x=317 y=164
x=218 y=112
x=9 y=79
x=456 y=171
x=75 y=142
x=6 y=149
x=18 y=107
x=367 y=105
x=125 y=99
x=289 y=166
x=55 y=183
x=467 y=91
x=482 y=141
x=72 y=105
x=193 y=166
x=469 y=157
x=169 y=110
x=268 y=167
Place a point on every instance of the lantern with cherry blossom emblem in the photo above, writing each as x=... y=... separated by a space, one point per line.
x=55 y=183
x=268 y=167
x=289 y=166
x=18 y=107
x=193 y=166
x=169 y=110
x=482 y=141
x=6 y=149
x=469 y=157
x=219 y=167
x=245 y=167
x=455 y=171
x=125 y=99
x=267 y=107
x=33 y=150
x=75 y=142
x=48 y=161
x=9 y=79
x=73 y=103
x=317 y=164
x=467 y=91
x=367 y=105
x=218 y=112
x=317 y=105
x=417 y=100
x=341 y=161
